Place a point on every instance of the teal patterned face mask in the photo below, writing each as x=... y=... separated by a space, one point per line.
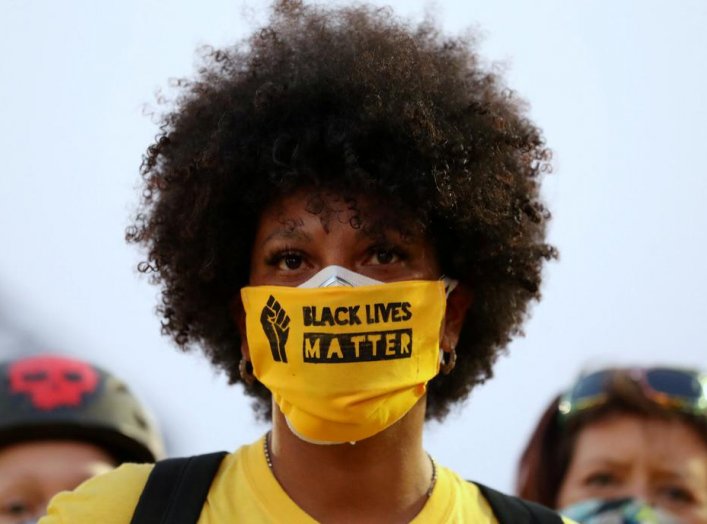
x=619 y=511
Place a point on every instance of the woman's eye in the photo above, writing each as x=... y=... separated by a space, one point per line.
x=291 y=261
x=285 y=260
x=15 y=509
x=384 y=255
x=676 y=494
x=601 y=479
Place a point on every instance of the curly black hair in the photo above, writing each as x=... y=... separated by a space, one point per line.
x=352 y=99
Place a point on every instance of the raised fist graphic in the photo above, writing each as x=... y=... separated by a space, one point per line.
x=276 y=324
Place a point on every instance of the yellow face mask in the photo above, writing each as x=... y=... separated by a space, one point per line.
x=344 y=363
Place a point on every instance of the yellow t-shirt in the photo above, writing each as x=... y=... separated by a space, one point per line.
x=245 y=490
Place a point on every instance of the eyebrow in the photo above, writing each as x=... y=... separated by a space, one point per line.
x=289 y=233
x=667 y=472
x=23 y=484
x=606 y=462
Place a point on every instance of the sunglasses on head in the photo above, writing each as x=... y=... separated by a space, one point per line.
x=682 y=390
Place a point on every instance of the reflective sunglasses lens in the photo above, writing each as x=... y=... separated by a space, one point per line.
x=590 y=386
x=675 y=383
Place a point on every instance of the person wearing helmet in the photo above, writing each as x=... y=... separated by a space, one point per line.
x=62 y=421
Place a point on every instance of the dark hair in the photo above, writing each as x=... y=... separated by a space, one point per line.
x=356 y=101
x=547 y=456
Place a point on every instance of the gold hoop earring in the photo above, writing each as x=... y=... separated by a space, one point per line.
x=246 y=376
x=448 y=361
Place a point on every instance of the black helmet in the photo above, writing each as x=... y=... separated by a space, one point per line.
x=55 y=397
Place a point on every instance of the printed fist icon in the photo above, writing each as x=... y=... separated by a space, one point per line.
x=276 y=324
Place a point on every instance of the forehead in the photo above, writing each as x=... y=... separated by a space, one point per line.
x=633 y=439
x=52 y=462
x=367 y=215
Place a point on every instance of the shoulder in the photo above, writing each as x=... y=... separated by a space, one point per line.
x=109 y=498
x=508 y=508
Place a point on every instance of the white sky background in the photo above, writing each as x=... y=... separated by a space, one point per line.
x=619 y=88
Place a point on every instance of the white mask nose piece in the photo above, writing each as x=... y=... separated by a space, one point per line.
x=336 y=281
x=338 y=276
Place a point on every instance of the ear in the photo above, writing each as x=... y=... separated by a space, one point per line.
x=238 y=316
x=458 y=303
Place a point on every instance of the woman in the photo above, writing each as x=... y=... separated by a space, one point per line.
x=330 y=204
x=62 y=421
x=621 y=441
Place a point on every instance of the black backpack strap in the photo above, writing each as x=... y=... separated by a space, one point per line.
x=176 y=490
x=514 y=510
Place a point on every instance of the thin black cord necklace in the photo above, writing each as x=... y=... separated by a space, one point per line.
x=268 y=460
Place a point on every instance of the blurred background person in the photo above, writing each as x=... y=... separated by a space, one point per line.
x=62 y=421
x=623 y=445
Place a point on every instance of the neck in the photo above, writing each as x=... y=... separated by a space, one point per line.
x=384 y=478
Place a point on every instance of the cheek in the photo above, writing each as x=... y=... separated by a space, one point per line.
x=576 y=487
x=571 y=491
x=70 y=476
x=98 y=468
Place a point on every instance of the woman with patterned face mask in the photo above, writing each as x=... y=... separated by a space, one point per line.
x=343 y=212
x=62 y=421
x=623 y=445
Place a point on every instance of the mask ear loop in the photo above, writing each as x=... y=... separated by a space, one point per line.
x=446 y=364
x=246 y=375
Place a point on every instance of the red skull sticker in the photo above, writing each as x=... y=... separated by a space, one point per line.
x=53 y=382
